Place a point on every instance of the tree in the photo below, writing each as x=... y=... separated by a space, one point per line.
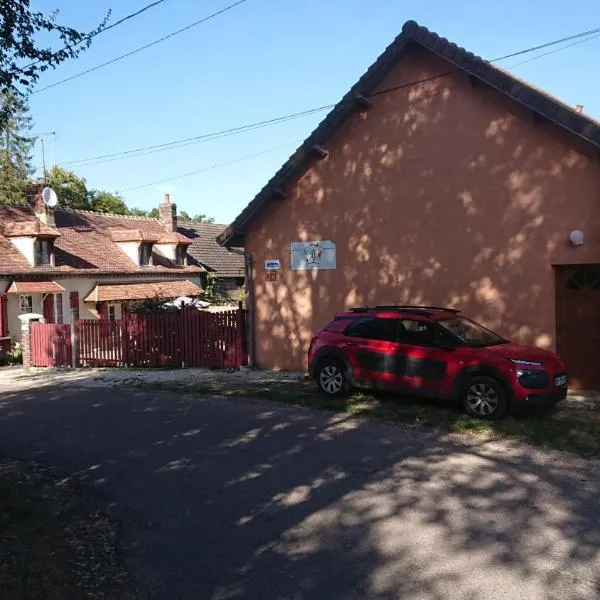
x=71 y=190
x=22 y=57
x=15 y=148
x=201 y=218
x=138 y=212
x=105 y=202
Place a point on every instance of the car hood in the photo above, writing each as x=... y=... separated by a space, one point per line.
x=521 y=352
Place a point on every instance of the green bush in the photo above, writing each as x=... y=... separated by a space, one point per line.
x=13 y=357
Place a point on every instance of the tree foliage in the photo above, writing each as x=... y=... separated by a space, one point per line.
x=105 y=202
x=16 y=146
x=71 y=189
x=23 y=55
x=200 y=218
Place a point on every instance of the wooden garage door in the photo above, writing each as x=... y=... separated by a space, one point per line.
x=578 y=323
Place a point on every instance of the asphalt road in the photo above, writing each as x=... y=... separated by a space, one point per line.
x=231 y=499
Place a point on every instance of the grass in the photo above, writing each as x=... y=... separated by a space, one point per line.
x=54 y=544
x=563 y=428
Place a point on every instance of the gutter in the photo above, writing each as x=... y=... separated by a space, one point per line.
x=250 y=286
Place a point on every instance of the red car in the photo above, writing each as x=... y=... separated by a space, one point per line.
x=435 y=352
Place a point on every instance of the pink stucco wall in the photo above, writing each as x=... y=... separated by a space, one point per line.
x=443 y=193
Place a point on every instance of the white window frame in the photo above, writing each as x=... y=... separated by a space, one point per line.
x=112 y=312
x=23 y=309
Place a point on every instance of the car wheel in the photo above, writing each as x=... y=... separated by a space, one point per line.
x=484 y=398
x=331 y=377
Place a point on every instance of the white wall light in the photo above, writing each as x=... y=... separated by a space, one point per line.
x=576 y=237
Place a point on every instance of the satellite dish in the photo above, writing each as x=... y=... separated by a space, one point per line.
x=49 y=197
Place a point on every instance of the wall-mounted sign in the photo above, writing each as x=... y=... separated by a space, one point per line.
x=272 y=264
x=313 y=255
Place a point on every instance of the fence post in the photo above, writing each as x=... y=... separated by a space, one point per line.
x=26 y=342
x=125 y=335
x=74 y=302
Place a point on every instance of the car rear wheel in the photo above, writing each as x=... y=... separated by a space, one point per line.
x=484 y=398
x=331 y=377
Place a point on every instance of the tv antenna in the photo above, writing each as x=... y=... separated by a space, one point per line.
x=41 y=137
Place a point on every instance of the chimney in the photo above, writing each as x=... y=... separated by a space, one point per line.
x=167 y=214
x=579 y=108
x=44 y=214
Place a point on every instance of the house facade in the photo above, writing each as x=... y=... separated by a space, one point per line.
x=54 y=260
x=439 y=179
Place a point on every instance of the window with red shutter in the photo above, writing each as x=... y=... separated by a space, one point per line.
x=48 y=308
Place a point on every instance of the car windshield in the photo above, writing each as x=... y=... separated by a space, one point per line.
x=471 y=333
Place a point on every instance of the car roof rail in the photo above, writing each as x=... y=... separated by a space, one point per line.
x=415 y=307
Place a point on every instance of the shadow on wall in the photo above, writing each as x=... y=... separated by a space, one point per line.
x=223 y=499
x=448 y=194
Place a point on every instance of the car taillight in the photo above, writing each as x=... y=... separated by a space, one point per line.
x=312 y=343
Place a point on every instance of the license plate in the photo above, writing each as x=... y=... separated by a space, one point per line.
x=560 y=380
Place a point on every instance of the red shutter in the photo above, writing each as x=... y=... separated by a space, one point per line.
x=48 y=308
x=102 y=309
x=3 y=315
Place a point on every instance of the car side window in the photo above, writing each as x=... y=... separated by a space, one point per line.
x=374 y=328
x=419 y=333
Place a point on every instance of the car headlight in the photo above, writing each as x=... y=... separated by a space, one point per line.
x=525 y=363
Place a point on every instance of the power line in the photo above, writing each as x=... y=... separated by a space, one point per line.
x=553 y=51
x=111 y=26
x=243 y=128
x=186 y=141
x=212 y=167
x=132 y=52
x=128 y=17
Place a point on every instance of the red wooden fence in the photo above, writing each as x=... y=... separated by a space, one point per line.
x=100 y=343
x=51 y=345
x=190 y=338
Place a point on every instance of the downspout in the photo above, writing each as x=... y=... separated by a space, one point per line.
x=250 y=286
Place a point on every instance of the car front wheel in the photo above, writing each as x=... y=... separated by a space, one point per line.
x=331 y=377
x=484 y=398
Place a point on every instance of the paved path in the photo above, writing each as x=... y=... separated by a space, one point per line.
x=229 y=499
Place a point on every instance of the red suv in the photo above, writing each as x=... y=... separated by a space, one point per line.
x=435 y=352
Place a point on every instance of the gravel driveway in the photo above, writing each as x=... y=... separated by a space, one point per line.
x=222 y=499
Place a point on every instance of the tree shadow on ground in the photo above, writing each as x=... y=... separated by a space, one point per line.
x=222 y=499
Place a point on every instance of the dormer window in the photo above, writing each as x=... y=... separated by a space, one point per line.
x=145 y=254
x=43 y=252
x=180 y=255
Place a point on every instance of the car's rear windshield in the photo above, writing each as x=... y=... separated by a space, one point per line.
x=471 y=333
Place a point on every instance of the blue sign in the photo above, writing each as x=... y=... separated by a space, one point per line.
x=272 y=264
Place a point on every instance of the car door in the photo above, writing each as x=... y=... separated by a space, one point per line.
x=426 y=356
x=372 y=345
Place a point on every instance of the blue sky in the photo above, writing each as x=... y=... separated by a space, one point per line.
x=262 y=59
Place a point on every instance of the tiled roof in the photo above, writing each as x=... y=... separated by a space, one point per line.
x=86 y=245
x=206 y=250
x=28 y=228
x=131 y=235
x=540 y=102
x=35 y=287
x=138 y=291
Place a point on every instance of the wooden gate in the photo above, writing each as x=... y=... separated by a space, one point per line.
x=51 y=345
